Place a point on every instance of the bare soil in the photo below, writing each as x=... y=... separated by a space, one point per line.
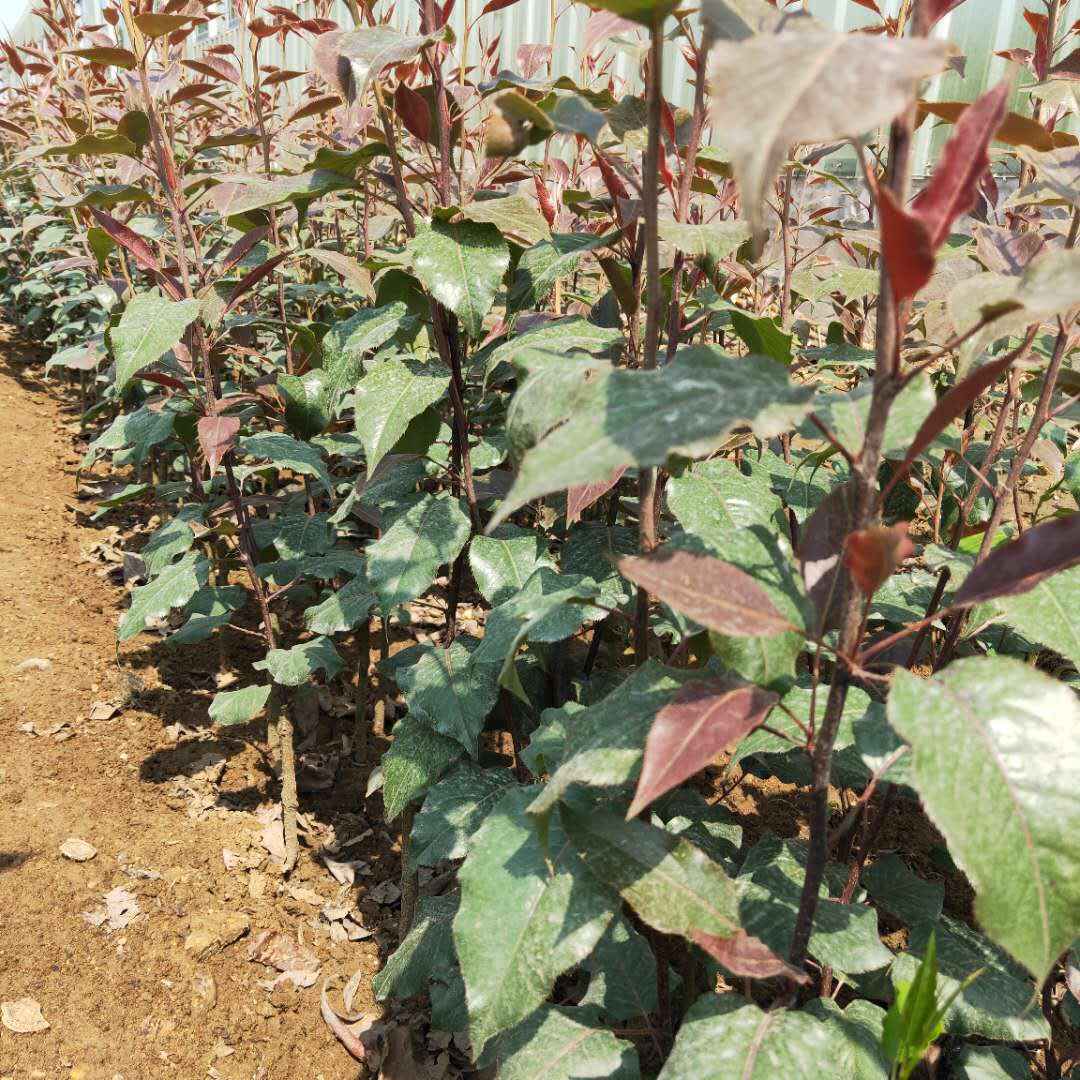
x=153 y=788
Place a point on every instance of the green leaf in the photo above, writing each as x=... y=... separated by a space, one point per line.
x=990 y=1063
x=1002 y=1003
x=418 y=756
x=453 y=810
x=366 y=331
x=208 y=610
x=427 y=952
x=606 y=743
x=572 y=334
x=648 y=12
x=687 y=407
x=844 y=936
x=561 y=1044
x=515 y=216
x=995 y=746
x=462 y=266
x=622 y=974
x=343 y=610
x=442 y=686
x=148 y=329
x=285 y=452
x=1049 y=613
x=142 y=430
x=95 y=144
x=237 y=195
x=239 y=706
x=295 y=535
x=295 y=666
x=502 y=562
x=846 y=415
x=545 y=263
x=389 y=396
x=429 y=533
x=172 y=588
x=763 y=336
x=668 y=882
x=905 y=896
x=861 y=1023
x=307 y=402
x=173 y=538
x=529 y=911
x=912 y=1024
x=590 y=550
x=852 y=282
x=722 y=1037
x=708 y=244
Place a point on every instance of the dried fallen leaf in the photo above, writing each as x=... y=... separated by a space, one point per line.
x=77 y=850
x=343 y=871
x=297 y=963
x=386 y=892
x=23 y=1016
x=102 y=710
x=120 y=909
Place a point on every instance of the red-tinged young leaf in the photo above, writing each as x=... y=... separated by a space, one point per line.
x=276 y=77
x=612 y=180
x=702 y=720
x=107 y=56
x=579 y=499
x=910 y=237
x=747 y=957
x=1018 y=567
x=14 y=59
x=872 y=555
x=870 y=5
x=140 y=250
x=214 y=67
x=543 y=197
x=217 y=435
x=251 y=279
x=192 y=90
x=935 y=10
x=161 y=379
x=315 y=107
x=414 y=112
x=953 y=189
x=1015 y=130
x=250 y=239
x=708 y=590
x=952 y=404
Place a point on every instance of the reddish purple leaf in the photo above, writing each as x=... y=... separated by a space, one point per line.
x=251 y=279
x=954 y=187
x=936 y=10
x=952 y=404
x=905 y=246
x=708 y=590
x=579 y=499
x=414 y=111
x=139 y=249
x=242 y=246
x=910 y=237
x=215 y=67
x=821 y=551
x=217 y=434
x=1018 y=567
x=703 y=719
x=747 y=957
x=496 y=5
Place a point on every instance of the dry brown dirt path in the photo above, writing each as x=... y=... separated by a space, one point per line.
x=132 y=1003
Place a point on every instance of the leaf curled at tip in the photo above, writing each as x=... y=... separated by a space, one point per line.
x=872 y=555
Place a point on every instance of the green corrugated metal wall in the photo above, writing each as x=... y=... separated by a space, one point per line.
x=979 y=27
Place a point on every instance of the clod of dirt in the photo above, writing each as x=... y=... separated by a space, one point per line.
x=297 y=963
x=77 y=850
x=120 y=909
x=34 y=663
x=212 y=931
x=23 y=1016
